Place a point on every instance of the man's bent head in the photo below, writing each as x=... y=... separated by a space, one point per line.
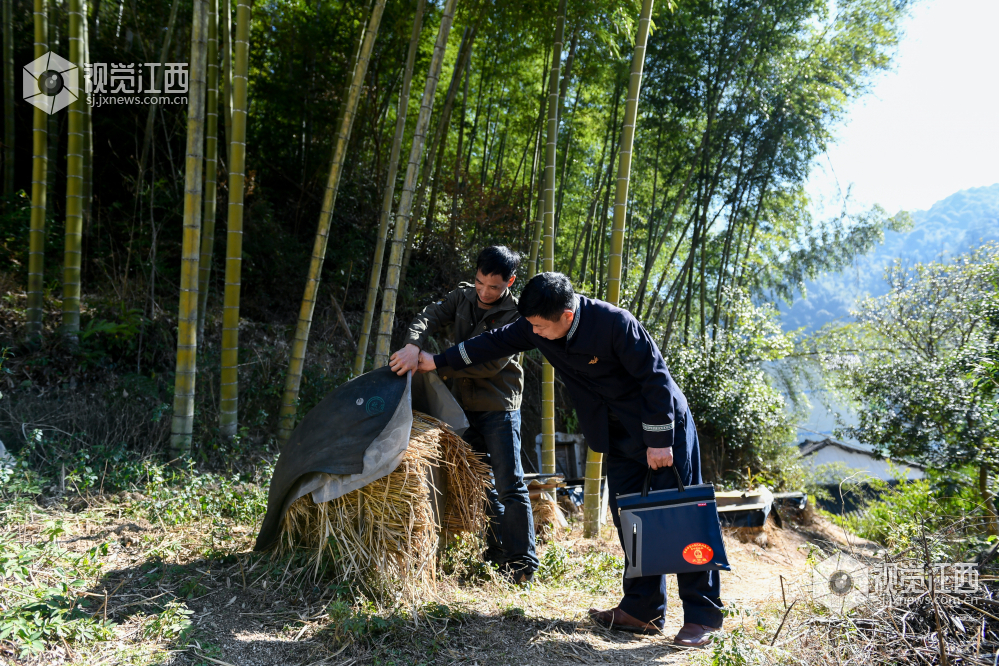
x=549 y=303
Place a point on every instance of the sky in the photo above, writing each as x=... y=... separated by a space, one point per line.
x=930 y=127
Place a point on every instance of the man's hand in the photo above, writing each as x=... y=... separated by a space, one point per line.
x=406 y=359
x=660 y=457
x=426 y=362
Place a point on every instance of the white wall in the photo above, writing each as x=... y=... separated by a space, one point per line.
x=876 y=468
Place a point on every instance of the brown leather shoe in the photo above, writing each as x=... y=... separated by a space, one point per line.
x=694 y=635
x=615 y=618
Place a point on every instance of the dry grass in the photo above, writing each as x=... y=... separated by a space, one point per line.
x=250 y=610
x=384 y=535
x=549 y=523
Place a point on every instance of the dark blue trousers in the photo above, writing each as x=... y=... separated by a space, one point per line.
x=510 y=536
x=645 y=596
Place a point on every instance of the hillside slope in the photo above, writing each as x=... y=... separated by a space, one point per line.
x=950 y=227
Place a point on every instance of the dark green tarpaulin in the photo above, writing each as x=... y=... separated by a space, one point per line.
x=356 y=435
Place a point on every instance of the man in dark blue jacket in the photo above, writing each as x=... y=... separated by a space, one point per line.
x=629 y=408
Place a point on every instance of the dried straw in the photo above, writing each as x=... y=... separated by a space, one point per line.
x=384 y=535
x=467 y=477
x=549 y=523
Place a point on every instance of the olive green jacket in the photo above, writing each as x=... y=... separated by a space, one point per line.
x=496 y=386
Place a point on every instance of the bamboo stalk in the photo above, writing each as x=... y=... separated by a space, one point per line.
x=400 y=129
x=539 y=211
x=565 y=166
x=54 y=23
x=229 y=384
x=211 y=166
x=182 y=426
x=404 y=212
x=435 y=151
x=289 y=401
x=563 y=90
x=453 y=221
x=547 y=371
x=440 y=136
x=151 y=113
x=74 y=187
x=225 y=29
x=39 y=184
x=594 y=460
x=8 y=97
x=624 y=155
x=88 y=133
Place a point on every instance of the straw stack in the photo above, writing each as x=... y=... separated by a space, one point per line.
x=384 y=535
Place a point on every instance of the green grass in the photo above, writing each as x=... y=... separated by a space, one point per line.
x=42 y=593
x=44 y=597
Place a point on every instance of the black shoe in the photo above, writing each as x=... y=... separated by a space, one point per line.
x=523 y=579
x=518 y=576
x=494 y=555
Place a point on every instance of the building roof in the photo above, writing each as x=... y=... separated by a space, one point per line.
x=808 y=447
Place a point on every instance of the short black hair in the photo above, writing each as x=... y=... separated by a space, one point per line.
x=498 y=260
x=547 y=295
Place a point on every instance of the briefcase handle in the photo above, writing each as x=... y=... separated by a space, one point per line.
x=648 y=481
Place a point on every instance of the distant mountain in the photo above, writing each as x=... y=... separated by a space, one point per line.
x=950 y=227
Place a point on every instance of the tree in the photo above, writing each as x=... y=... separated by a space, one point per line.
x=54 y=130
x=987 y=367
x=8 y=97
x=74 y=183
x=211 y=165
x=737 y=99
x=39 y=185
x=229 y=399
x=742 y=419
x=182 y=426
x=289 y=401
x=389 y=195
x=404 y=212
x=435 y=151
x=88 y=130
x=225 y=29
x=594 y=460
x=547 y=371
x=151 y=113
x=741 y=126
x=915 y=383
x=538 y=225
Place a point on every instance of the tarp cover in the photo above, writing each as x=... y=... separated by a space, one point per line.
x=356 y=435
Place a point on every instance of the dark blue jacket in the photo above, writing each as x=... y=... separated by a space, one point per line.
x=608 y=361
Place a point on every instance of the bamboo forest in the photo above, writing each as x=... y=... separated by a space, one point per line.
x=222 y=221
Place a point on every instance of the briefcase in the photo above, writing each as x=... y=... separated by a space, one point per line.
x=671 y=531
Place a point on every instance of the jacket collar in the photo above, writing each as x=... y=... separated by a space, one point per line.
x=575 y=321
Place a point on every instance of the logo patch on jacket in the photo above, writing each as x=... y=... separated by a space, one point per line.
x=595 y=359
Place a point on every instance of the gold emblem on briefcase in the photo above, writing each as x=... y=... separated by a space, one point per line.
x=595 y=359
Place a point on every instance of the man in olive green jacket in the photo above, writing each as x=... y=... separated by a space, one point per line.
x=490 y=393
